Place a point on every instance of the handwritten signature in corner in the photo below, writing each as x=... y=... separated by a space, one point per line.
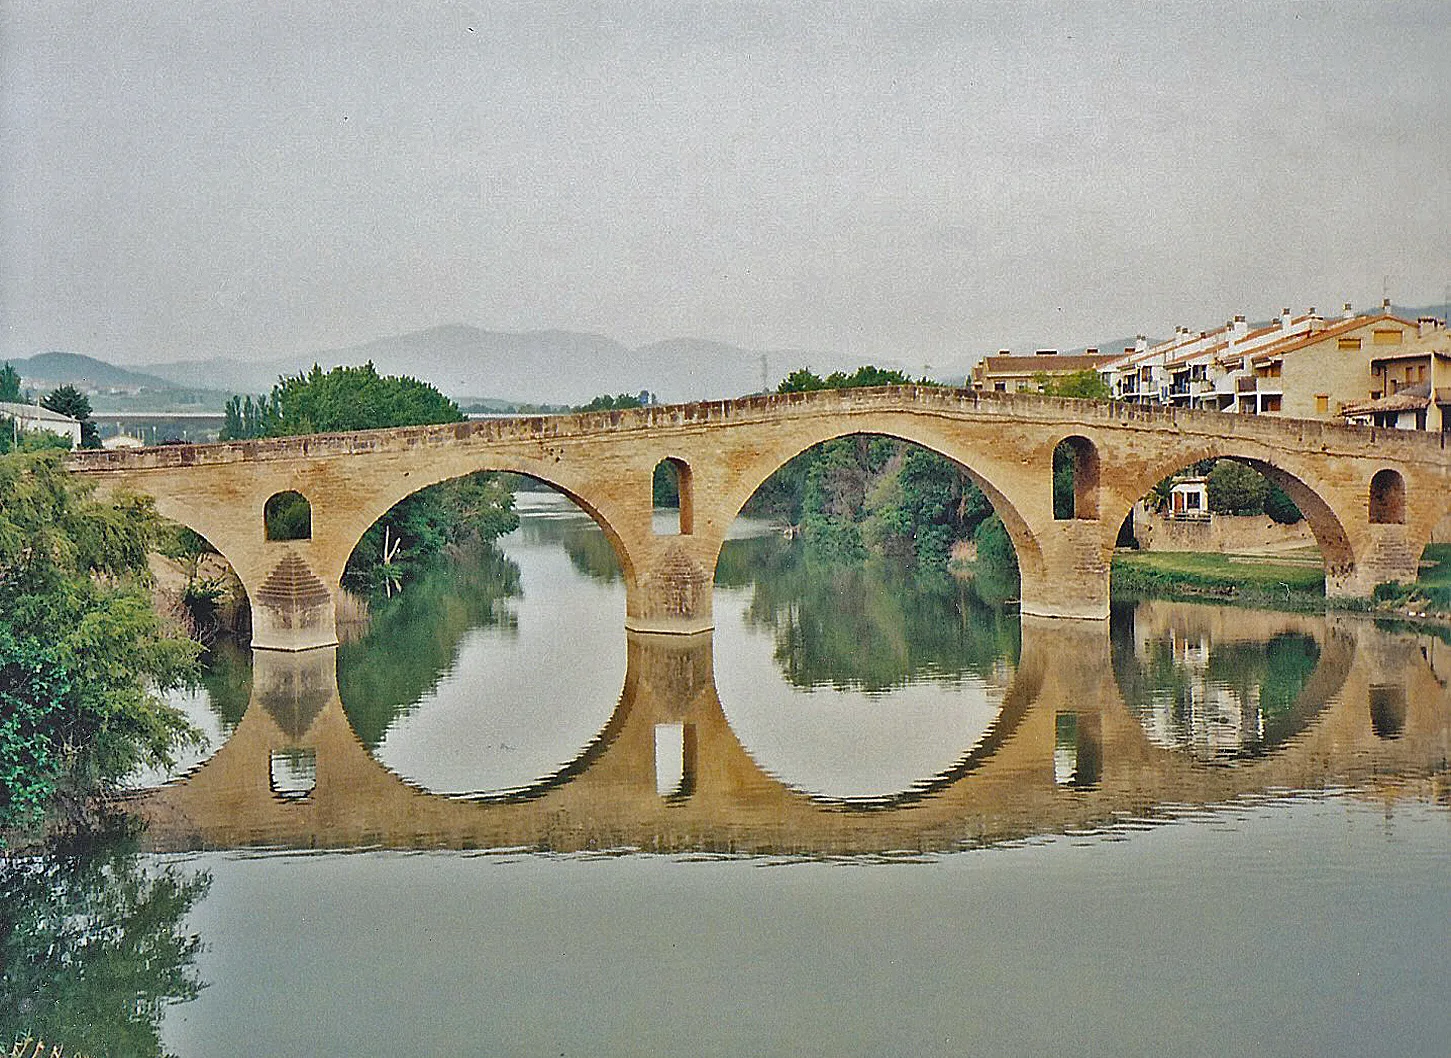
x=34 y=1047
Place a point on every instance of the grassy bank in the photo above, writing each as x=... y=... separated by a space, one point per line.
x=1295 y=580
x=1292 y=580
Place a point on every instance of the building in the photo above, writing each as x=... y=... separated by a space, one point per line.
x=1303 y=366
x=28 y=417
x=1410 y=383
x=1006 y=373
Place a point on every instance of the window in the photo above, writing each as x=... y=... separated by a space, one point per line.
x=1387 y=498
x=1387 y=337
x=1000 y=387
x=287 y=516
x=1075 y=479
x=1322 y=404
x=671 y=495
x=1349 y=343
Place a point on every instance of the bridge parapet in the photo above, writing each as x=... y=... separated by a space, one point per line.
x=1400 y=445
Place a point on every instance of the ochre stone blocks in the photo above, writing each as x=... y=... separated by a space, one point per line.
x=605 y=461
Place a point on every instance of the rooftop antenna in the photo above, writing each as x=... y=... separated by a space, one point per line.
x=765 y=378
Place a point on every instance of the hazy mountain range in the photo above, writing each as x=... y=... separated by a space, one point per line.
x=468 y=363
x=557 y=367
x=471 y=364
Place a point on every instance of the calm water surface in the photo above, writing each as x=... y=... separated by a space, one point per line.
x=872 y=814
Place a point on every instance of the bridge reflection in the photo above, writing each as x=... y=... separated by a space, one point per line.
x=1081 y=741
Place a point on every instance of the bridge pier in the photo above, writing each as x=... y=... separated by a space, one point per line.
x=1070 y=577
x=294 y=603
x=670 y=593
x=1383 y=553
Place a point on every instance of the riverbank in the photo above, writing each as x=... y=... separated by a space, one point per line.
x=1290 y=580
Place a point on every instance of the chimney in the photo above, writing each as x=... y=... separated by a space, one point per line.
x=1284 y=319
x=1090 y=351
x=1047 y=352
x=1238 y=328
x=1348 y=313
x=1427 y=325
x=1140 y=344
x=1385 y=306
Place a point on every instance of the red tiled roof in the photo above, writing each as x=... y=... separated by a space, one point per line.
x=1412 y=398
x=1053 y=365
x=1335 y=330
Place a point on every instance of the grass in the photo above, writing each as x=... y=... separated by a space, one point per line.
x=1288 y=580
x=1218 y=575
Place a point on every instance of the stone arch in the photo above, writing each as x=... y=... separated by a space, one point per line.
x=684 y=489
x=287 y=515
x=1324 y=521
x=1081 y=501
x=1387 y=499
x=1025 y=544
x=380 y=503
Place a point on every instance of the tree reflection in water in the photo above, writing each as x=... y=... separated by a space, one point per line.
x=1227 y=698
x=871 y=625
x=93 y=948
x=413 y=638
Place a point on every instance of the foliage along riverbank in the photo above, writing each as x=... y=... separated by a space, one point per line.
x=83 y=652
x=1271 y=583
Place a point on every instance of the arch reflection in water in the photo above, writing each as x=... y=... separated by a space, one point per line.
x=611 y=797
x=1222 y=682
x=855 y=680
x=497 y=668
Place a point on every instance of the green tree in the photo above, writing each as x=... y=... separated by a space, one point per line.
x=417 y=528
x=82 y=650
x=1235 y=488
x=1084 y=385
x=244 y=418
x=1280 y=507
x=605 y=402
x=353 y=398
x=9 y=384
x=67 y=400
x=802 y=379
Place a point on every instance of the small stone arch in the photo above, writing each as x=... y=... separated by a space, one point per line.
x=1387 y=500
x=287 y=515
x=676 y=471
x=1075 y=494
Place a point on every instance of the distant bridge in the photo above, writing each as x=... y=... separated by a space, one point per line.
x=1370 y=496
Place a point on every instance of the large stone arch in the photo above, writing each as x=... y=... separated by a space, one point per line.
x=754 y=472
x=1326 y=524
x=375 y=506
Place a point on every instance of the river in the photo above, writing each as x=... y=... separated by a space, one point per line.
x=874 y=813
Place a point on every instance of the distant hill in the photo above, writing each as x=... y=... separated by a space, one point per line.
x=474 y=365
x=47 y=370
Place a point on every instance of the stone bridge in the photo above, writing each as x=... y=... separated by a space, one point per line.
x=1376 y=705
x=1370 y=496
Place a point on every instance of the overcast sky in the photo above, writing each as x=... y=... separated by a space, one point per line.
x=919 y=182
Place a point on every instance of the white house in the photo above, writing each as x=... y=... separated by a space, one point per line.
x=34 y=417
